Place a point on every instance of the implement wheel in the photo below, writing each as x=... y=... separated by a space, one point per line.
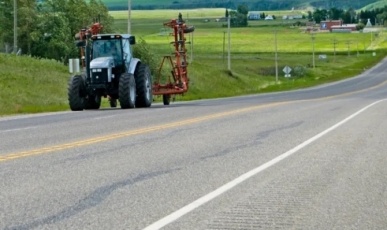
x=166 y=99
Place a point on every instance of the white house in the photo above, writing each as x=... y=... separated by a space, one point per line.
x=269 y=17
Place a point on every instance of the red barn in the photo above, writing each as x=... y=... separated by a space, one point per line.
x=327 y=25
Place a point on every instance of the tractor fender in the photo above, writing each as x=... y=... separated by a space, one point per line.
x=133 y=64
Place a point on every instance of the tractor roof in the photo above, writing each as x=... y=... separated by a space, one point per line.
x=111 y=36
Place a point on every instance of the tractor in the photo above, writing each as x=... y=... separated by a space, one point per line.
x=109 y=70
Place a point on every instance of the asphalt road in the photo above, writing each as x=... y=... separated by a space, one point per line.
x=306 y=159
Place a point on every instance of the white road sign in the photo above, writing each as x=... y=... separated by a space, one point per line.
x=287 y=71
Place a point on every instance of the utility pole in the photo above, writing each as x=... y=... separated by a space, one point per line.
x=276 y=56
x=334 y=49
x=129 y=16
x=224 y=45
x=229 y=43
x=192 y=45
x=15 y=26
x=313 y=49
x=348 y=43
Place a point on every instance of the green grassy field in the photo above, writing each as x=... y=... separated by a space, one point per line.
x=30 y=85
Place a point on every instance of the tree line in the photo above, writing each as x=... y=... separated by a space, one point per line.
x=47 y=28
x=256 y=5
x=232 y=4
x=376 y=16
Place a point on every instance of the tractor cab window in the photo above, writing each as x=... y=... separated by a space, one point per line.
x=127 y=51
x=108 y=48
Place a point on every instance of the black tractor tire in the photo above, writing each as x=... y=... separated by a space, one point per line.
x=127 y=91
x=92 y=102
x=143 y=78
x=166 y=99
x=75 y=93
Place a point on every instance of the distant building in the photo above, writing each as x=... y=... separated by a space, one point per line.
x=337 y=26
x=269 y=17
x=291 y=17
x=344 y=28
x=254 y=15
x=327 y=25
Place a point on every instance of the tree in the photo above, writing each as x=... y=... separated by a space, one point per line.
x=346 y=17
x=6 y=19
x=310 y=16
x=320 y=15
x=47 y=29
x=239 y=17
x=243 y=9
x=27 y=24
x=382 y=17
x=335 y=13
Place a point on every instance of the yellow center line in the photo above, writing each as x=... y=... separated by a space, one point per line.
x=85 y=142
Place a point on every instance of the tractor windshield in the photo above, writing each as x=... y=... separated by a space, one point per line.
x=108 y=48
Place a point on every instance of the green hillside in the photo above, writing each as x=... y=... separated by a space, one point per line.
x=252 y=4
x=375 y=5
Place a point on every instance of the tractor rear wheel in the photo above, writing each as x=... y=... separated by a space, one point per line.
x=127 y=91
x=143 y=86
x=76 y=93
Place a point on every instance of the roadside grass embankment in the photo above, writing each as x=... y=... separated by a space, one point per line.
x=30 y=85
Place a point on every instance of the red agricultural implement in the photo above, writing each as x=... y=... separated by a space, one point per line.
x=177 y=82
x=86 y=33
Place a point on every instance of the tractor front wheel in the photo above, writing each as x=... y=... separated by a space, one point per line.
x=143 y=86
x=76 y=93
x=127 y=91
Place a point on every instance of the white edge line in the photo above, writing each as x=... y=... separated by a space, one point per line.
x=25 y=116
x=19 y=129
x=224 y=188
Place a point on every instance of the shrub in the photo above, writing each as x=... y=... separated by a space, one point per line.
x=143 y=51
